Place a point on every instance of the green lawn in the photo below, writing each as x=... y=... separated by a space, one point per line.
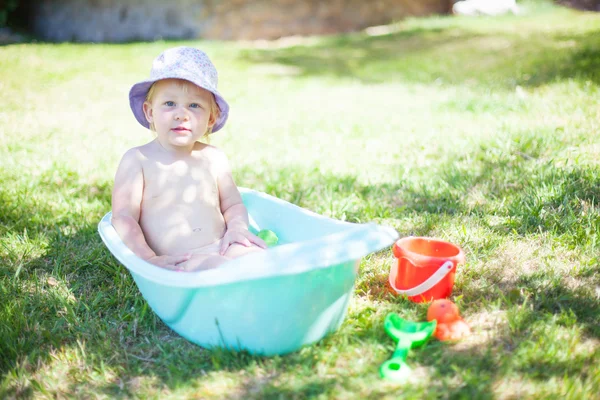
x=484 y=132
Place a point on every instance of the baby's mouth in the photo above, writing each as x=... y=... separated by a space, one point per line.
x=181 y=129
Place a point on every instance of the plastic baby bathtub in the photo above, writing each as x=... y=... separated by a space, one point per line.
x=270 y=302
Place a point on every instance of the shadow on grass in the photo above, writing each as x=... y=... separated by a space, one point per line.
x=534 y=346
x=528 y=196
x=532 y=197
x=71 y=297
x=448 y=53
x=76 y=296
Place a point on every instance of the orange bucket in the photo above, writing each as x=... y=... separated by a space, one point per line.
x=425 y=269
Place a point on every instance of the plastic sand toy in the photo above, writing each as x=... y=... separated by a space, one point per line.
x=408 y=335
x=425 y=269
x=450 y=326
x=269 y=237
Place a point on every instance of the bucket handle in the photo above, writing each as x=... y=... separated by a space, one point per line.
x=430 y=282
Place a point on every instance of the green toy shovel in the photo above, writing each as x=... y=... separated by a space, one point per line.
x=409 y=335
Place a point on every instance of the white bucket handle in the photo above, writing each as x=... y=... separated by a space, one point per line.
x=430 y=282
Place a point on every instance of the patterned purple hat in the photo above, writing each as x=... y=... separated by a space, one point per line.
x=179 y=63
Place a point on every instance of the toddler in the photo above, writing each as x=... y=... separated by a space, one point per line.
x=174 y=201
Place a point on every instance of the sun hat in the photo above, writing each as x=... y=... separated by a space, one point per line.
x=186 y=63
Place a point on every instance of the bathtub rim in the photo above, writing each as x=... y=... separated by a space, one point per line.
x=351 y=244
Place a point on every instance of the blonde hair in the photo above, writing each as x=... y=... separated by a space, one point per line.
x=215 y=111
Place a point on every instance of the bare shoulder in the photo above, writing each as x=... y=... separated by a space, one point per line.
x=209 y=150
x=149 y=151
x=132 y=157
x=212 y=153
x=139 y=153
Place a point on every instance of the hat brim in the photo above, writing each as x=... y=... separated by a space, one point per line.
x=139 y=91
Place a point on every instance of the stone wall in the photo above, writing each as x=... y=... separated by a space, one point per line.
x=123 y=20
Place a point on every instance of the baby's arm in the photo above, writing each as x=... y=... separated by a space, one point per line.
x=233 y=209
x=126 y=201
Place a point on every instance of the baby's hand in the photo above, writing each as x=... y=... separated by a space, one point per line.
x=169 y=262
x=241 y=236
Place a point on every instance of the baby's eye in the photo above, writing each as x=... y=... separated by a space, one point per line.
x=195 y=105
x=169 y=103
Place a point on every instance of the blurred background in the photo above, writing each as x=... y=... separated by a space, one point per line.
x=128 y=20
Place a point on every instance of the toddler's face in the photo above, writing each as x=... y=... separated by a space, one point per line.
x=179 y=111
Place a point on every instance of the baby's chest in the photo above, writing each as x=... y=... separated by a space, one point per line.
x=180 y=182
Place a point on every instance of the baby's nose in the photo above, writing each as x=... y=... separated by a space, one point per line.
x=181 y=114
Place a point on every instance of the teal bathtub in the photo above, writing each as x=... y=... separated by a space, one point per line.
x=270 y=302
